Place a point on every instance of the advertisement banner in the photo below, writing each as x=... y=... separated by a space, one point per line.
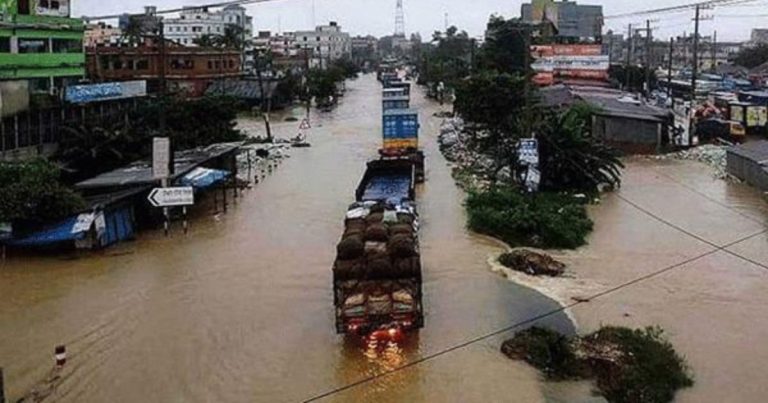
x=105 y=91
x=569 y=61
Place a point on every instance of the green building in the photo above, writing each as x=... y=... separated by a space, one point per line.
x=40 y=44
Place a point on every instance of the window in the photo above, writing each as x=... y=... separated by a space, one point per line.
x=210 y=64
x=67 y=46
x=23 y=7
x=5 y=44
x=142 y=64
x=33 y=46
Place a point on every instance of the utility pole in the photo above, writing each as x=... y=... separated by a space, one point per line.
x=647 y=58
x=669 y=71
x=629 y=58
x=695 y=55
x=163 y=86
x=714 y=51
x=610 y=51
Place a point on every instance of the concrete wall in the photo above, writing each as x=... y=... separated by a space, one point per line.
x=14 y=97
x=748 y=170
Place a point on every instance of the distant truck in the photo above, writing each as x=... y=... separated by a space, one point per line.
x=400 y=138
x=377 y=277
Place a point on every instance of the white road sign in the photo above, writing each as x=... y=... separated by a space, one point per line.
x=161 y=157
x=528 y=151
x=172 y=197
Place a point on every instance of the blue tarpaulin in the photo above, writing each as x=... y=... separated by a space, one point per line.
x=61 y=232
x=391 y=188
x=203 y=178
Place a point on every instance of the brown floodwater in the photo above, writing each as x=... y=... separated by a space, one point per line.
x=240 y=310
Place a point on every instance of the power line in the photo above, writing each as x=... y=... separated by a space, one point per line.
x=536 y=318
x=684 y=7
x=178 y=10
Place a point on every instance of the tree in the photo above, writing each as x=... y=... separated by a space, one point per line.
x=133 y=32
x=31 y=193
x=506 y=48
x=570 y=158
x=232 y=38
x=206 y=41
x=753 y=56
x=497 y=106
x=618 y=74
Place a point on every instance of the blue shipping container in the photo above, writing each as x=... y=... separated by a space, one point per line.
x=400 y=124
x=396 y=103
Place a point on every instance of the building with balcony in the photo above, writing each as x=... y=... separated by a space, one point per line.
x=327 y=43
x=573 y=21
x=41 y=47
x=196 y=22
x=188 y=70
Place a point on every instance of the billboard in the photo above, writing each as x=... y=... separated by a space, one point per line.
x=105 y=91
x=569 y=61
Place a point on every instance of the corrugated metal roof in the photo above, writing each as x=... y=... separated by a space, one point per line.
x=140 y=172
x=611 y=105
x=245 y=89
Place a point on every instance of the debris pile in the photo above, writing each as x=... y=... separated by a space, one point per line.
x=264 y=157
x=471 y=170
x=710 y=154
x=532 y=263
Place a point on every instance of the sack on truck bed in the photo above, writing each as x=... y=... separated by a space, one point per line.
x=409 y=267
x=377 y=233
x=375 y=249
x=356 y=223
x=405 y=218
x=379 y=268
x=374 y=218
x=348 y=269
x=401 y=246
x=350 y=248
x=397 y=229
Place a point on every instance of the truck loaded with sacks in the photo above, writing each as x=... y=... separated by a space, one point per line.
x=377 y=272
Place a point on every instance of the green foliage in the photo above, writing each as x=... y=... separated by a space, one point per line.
x=753 y=56
x=323 y=82
x=630 y=366
x=92 y=149
x=570 y=159
x=506 y=47
x=651 y=370
x=30 y=193
x=547 y=350
x=448 y=59
x=539 y=220
x=492 y=100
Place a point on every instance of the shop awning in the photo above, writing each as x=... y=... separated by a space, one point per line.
x=203 y=178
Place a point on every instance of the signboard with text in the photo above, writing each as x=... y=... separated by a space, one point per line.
x=172 y=197
x=161 y=157
x=105 y=91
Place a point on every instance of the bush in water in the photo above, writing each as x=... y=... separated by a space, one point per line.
x=539 y=220
x=629 y=366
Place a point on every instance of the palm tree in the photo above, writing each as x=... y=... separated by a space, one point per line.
x=570 y=158
x=232 y=38
x=133 y=32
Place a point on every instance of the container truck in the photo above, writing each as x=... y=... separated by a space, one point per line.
x=377 y=277
x=401 y=102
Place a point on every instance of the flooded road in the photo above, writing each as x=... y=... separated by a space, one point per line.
x=240 y=310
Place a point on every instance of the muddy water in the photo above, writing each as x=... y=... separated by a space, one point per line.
x=241 y=309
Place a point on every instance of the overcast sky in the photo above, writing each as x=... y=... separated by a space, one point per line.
x=377 y=17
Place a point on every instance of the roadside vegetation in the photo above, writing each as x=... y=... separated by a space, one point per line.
x=90 y=149
x=500 y=106
x=628 y=366
x=31 y=193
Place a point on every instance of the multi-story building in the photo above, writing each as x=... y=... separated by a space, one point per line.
x=759 y=35
x=195 y=22
x=327 y=44
x=101 y=34
x=580 y=22
x=364 y=48
x=188 y=70
x=41 y=47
